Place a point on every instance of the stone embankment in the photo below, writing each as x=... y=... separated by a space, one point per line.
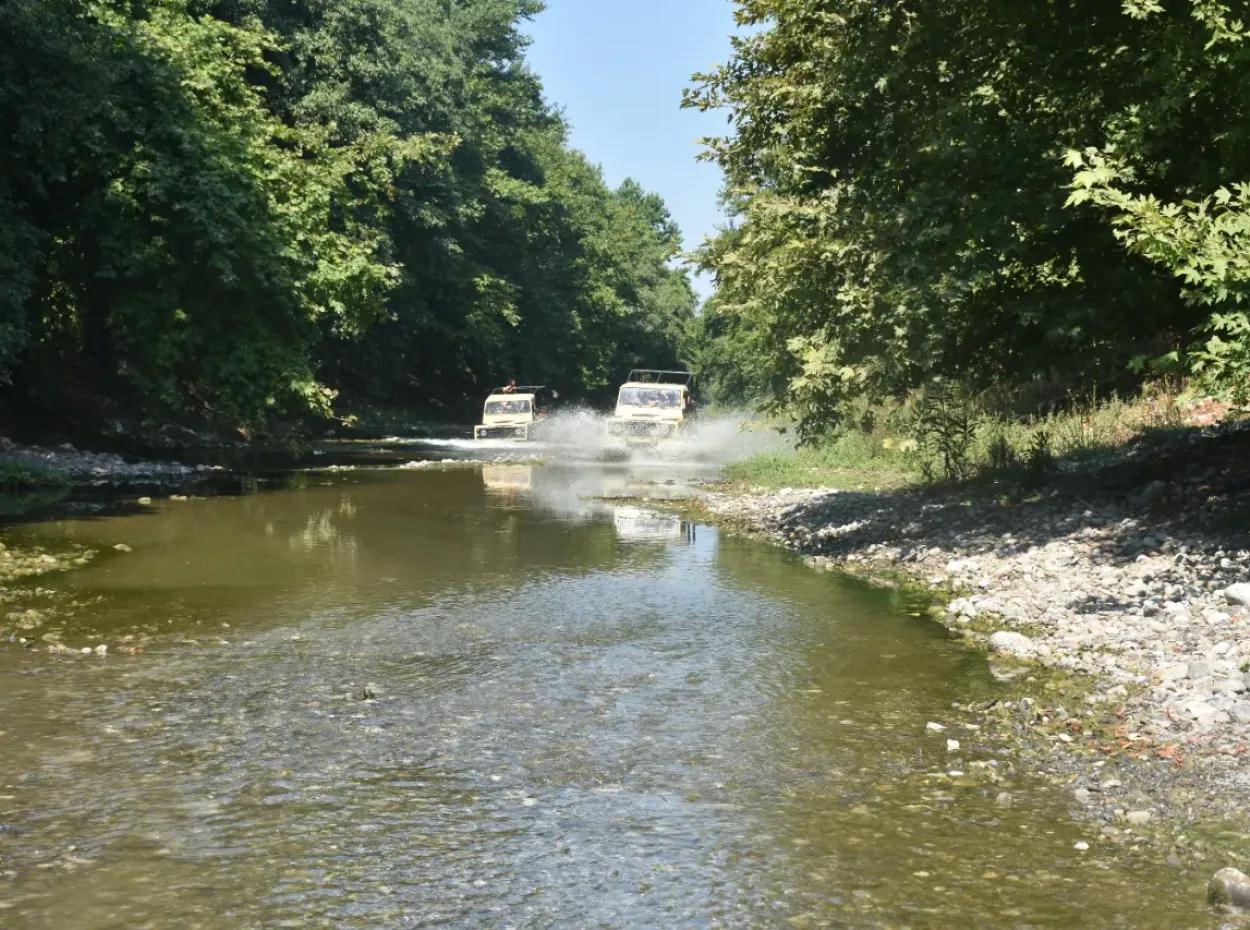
x=1147 y=592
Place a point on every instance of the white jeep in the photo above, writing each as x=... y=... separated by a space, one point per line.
x=651 y=407
x=512 y=412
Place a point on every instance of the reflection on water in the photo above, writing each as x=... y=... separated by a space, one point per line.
x=641 y=524
x=462 y=699
x=508 y=478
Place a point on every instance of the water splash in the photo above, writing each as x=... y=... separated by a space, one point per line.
x=579 y=434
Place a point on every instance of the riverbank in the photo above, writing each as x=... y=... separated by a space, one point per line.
x=1140 y=588
x=66 y=465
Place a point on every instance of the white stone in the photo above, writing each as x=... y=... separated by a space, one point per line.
x=1238 y=594
x=1174 y=672
x=1201 y=669
x=1202 y=712
x=1012 y=643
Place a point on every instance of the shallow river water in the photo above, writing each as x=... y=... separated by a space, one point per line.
x=493 y=696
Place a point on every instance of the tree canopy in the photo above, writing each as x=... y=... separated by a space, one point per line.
x=984 y=192
x=236 y=207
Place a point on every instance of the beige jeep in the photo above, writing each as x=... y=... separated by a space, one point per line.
x=511 y=412
x=651 y=407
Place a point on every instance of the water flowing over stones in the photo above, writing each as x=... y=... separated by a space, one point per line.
x=499 y=694
x=1098 y=584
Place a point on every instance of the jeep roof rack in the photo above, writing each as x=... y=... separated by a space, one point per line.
x=520 y=389
x=660 y=376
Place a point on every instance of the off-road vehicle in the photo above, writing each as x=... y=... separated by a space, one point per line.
x=651 y=407
x=511 y=412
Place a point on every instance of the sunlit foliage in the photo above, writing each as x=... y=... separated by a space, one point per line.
x=232 y=208
x=900 y=183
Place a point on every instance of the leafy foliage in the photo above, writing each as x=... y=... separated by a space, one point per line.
x=235 y=207
x=902 y=204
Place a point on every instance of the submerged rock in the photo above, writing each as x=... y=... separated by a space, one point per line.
x=1230 y=887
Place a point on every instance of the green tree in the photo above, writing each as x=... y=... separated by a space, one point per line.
x=229 y=208
x=897 y=179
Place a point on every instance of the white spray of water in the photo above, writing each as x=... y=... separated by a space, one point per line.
x=579 y=434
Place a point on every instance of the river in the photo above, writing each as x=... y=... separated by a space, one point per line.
x=501 y=696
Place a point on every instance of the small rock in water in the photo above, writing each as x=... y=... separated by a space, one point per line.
x=1080 y=845
x=1138 y=818
x=1230 y=887
x=122 y=547
x=364 y=694
x=145 y=501
x=934 y=727
x=952 y=745
x=102 y=649
x=1003 y=799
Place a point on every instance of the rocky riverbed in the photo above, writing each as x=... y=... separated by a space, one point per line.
x=102 y=468
x=1140 y=594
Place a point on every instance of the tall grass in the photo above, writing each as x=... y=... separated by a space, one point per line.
x=911 y=442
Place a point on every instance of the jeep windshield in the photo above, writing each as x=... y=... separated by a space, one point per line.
x=497 y=408
x=660 y=398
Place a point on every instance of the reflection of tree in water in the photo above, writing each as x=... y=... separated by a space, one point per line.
x=321 y=532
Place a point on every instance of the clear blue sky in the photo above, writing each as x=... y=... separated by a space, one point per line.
x=617 y=70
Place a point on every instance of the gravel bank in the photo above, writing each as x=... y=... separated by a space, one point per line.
x=1145 y=591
